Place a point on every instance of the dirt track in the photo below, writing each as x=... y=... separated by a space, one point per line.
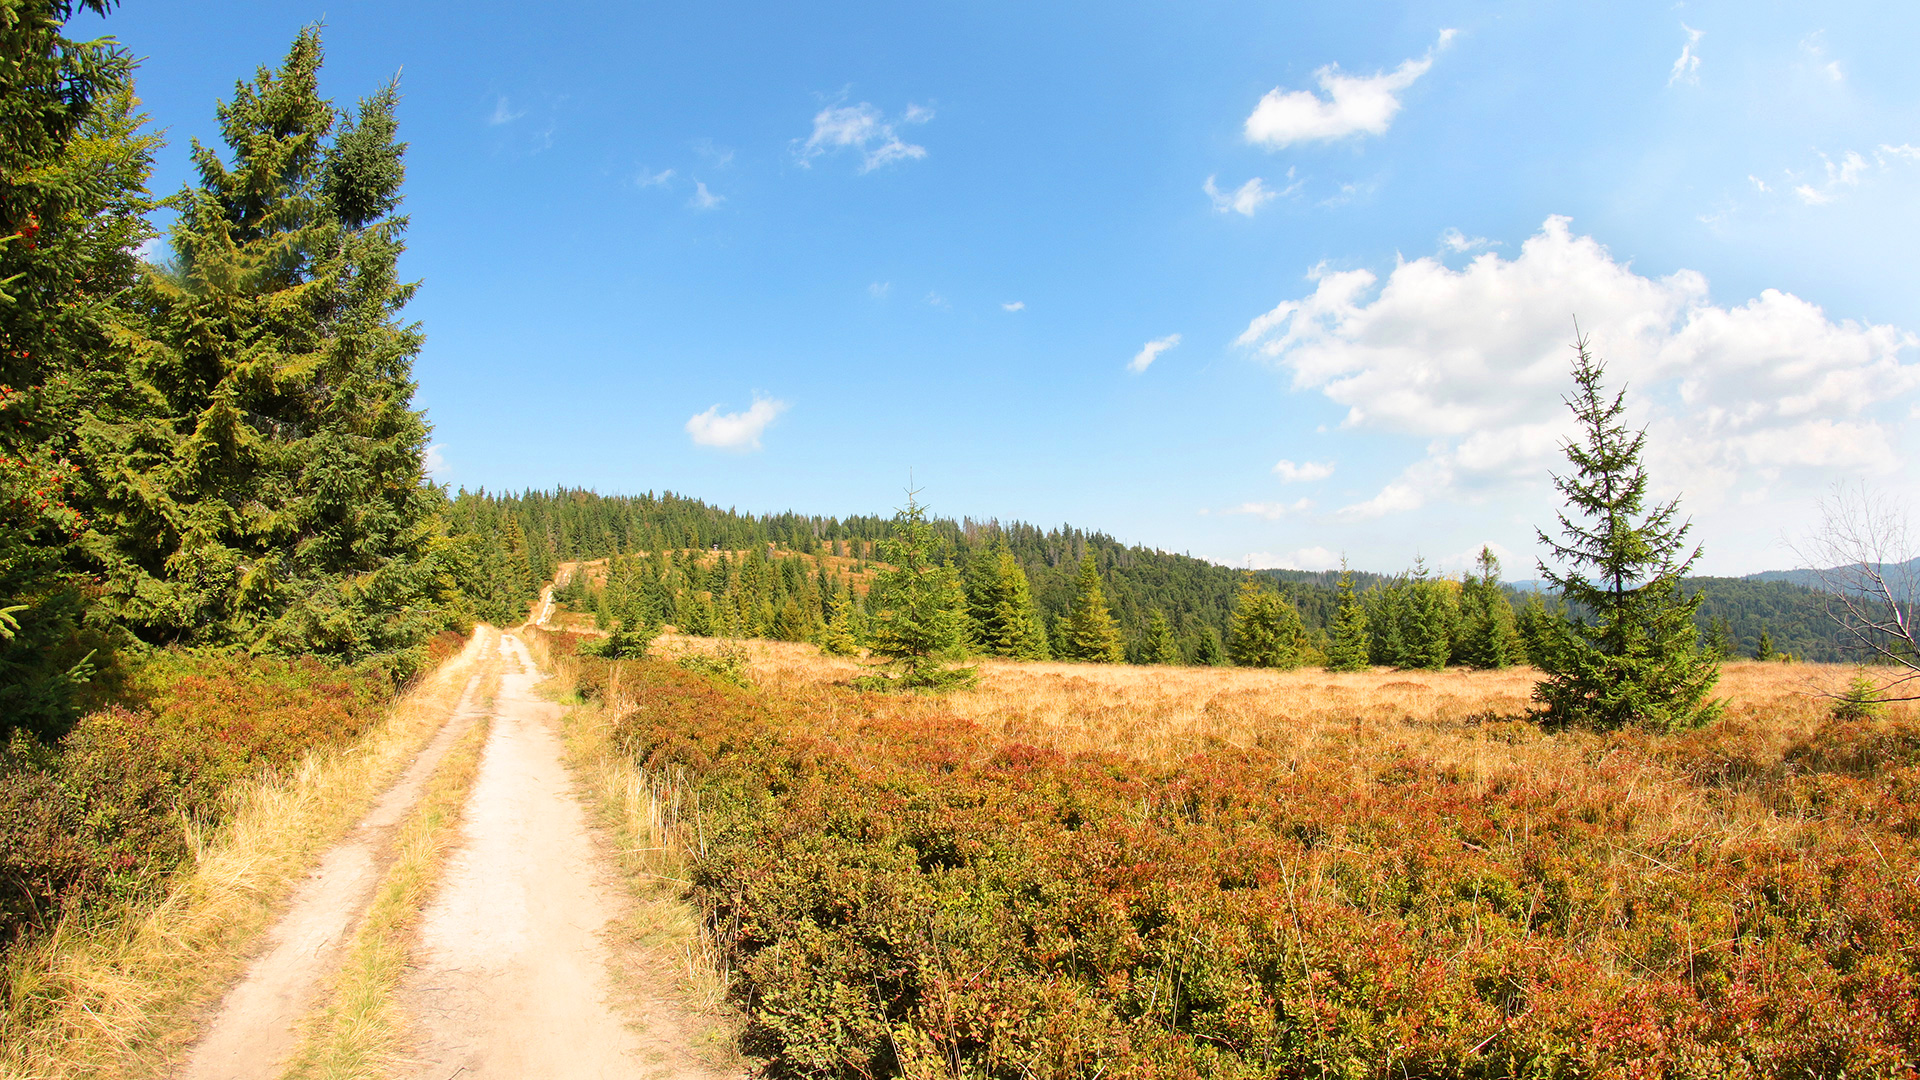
x=510 y=974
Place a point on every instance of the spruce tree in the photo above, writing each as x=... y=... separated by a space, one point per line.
x=1486 y=619
x=1430 y=620
x=1763 y=649
x=1631 y=654
x=1266 y=630
x=919 y=619
x=838 y=638
x=1351 y=644
x=280 y=501
x=1160 y=646
x=1206 y=648
x=73 y=172
x=1091 y=635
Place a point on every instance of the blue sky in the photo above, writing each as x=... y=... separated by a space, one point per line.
x=778 y=255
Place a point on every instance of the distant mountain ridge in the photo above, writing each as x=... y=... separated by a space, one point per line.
x=1901 y=576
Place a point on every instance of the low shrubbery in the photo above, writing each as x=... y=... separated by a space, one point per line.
x=110 y=810
x=900 y=891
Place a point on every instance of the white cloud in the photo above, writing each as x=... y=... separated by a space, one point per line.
x=1457 y=241
x=1355 y=104
x=1014 y=305
x=1303 y=473
x=1150 y=352
x=1844 y=175
x=879 y=289
x=1310 y=558
x=704 y=199
x=1243 y=200
x=718 y=156
x=435 y=463
x=1474 y=362
x=503 y=113
x=735 y=431
x=653 y=179
x=865 y=129
x=1272 y=511
x=1759 y=184
x=1687 y=67
x=934 y=299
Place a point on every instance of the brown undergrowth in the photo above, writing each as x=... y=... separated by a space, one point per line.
x=1080 y=871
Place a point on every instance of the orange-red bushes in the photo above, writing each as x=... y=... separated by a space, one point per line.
x=899 y=891
x=103 y=814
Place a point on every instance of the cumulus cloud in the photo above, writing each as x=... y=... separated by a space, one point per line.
x=435 y=463
x=1474 y=362
x=704 y=199
x=1353 y=105
x=1150 y=352
x=1844 y=175
x=1272 y=511
x=1014 y=305
x=1309 y=558
x=1243 y=200
x=1687 y=67
x=1459 y=242
x=1305 y=472
x=735 y=431
x=866 y=130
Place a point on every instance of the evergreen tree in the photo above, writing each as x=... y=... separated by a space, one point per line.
x=1206 y=648
x=1430 y=620
x=1719 y=643
x=1539 y=628
x=1351 y=645
x=73 y=171
x=792 y=623
x=1091 y=635
x=1006 y=621
x=279 y=499
x=1266 y=630
x=1632 y=655
x=919 y=616
x=1487 y=630
x=838 y=639
x=1764 y=650
x=1159 y=646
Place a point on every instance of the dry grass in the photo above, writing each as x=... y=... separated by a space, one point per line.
x=127 y=986
x=358 y=1034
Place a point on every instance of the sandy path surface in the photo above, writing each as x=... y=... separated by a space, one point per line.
x=512 y=978
x=254 y=1028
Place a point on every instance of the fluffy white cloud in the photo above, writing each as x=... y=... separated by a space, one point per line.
x=1687 y=67
x=1150 y=352
x=735 y=431
x=1354 y=104
x=1014 y=305
x=1459 y=242
x=1272 y=511
x=1243 y=200
x=1310 y=558
x=1305 y=472
x=1738 y=399
x=865 y=129
x=704 y=199
x=435 y=463
x=1844 y=175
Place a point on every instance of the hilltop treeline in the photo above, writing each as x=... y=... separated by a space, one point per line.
x=514 y=542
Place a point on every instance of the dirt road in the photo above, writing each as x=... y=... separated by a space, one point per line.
x=510 y=974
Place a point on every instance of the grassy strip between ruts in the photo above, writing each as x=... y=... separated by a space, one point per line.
x=115 y=993
x=358 y=1035
x=898 y=889
x=661 y=942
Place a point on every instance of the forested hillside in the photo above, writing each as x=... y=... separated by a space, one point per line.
x=511 y=543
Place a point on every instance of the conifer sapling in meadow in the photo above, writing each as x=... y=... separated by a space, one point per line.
x=1631 y=654
x=1487 y=632
x=1091 y=634
x=1266 y=630
x=919 y=619
x=1351 y=644
x=1160 y=646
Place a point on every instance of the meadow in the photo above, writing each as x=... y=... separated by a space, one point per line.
x=1093 y=871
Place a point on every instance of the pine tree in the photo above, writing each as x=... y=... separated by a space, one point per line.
x=1431 y=618
x=73 y=199
x=1764 y=650
x=1719 y=643
x=792 y=623
x=1266 y=630
x=285 y=487
x=1008 y=623
x=1160 y=646
x=1486 y=619
x=919 y=621
x=1632 y=655
x=1206 y=648
x=1091 y=634
x=1351 y=644
x=838 y=638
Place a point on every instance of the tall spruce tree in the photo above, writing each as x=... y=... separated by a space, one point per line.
x=1266 y=630
x=1091 y=634
x=1160 y=646
x=1631 y=655
x=1487 y=631
x=278 y=499
x=1430 y=620
x=1351 y=645
x=919 y=617
x=73 y=171
x=1006 y=622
